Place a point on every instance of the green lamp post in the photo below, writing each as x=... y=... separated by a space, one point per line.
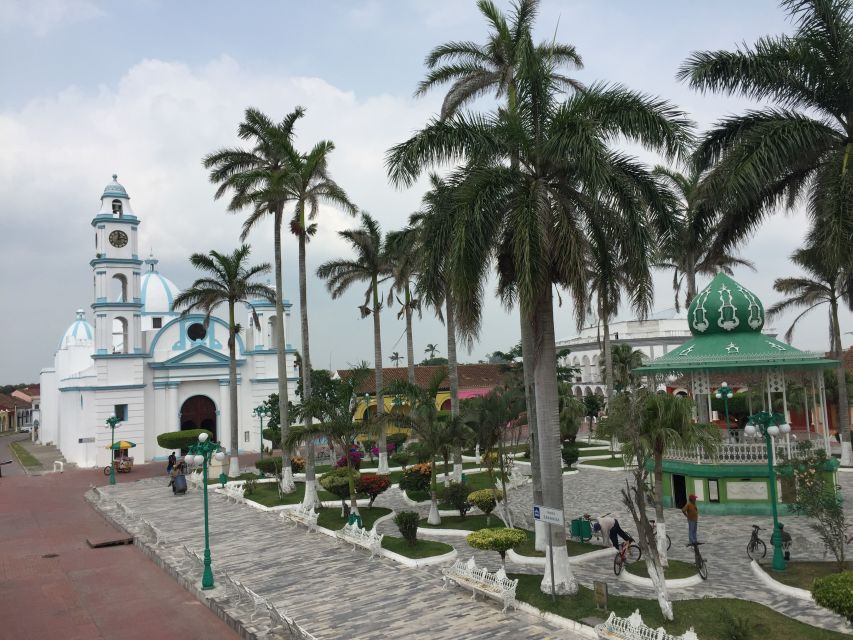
x=725 y=393
x=202 y=454
x=770 y=425
x=261 y=411
x=112 y=422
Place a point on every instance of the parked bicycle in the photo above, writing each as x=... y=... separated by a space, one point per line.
x=698 y=560
x=655 y=532
x=627 y=553
x=756 y=549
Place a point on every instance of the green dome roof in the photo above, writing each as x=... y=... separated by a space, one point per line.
x=725 y=307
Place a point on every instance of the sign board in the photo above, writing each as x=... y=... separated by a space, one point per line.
x=600 y=594
x=85 y=440
x=548 y=515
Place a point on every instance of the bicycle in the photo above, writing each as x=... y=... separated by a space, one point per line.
x=628 y=552
x=756 y=549
x=655 y=532
x=698 y=560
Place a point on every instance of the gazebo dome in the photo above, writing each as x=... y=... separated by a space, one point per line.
x=157 y=291
x=725 y=307
x=80 y=333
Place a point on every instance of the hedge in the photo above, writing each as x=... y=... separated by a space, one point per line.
x=835 y=592
x=181 y=439
x=500 y=540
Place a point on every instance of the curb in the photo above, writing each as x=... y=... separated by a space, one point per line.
x=581 y=465
x=413 y=563
x=775 y=585
x=566 y=623
x=678 y=583
x=533 y=561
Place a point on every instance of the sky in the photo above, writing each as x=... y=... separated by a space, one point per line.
x=145 y=88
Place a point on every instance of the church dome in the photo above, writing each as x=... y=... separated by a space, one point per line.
x=157 y=291
x=725 y=307
x=115 y=190
x=80 y=333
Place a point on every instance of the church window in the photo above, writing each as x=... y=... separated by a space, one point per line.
x=117 y=210
x=120 y=411
x=196 y=331
x=120 y=344
x=245 y=436
x=157 y=322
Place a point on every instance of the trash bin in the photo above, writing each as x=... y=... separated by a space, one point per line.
x=581 y=529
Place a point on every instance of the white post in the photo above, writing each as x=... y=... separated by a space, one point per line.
x=824 y=414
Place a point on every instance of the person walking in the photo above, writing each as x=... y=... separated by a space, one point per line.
x=171 y=463
x=692 y=512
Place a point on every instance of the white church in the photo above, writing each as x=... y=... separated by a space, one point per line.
x=153 y=368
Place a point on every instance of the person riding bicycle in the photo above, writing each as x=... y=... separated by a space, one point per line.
x=608 y=526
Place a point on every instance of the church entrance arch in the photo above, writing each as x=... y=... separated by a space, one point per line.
x=199 y=412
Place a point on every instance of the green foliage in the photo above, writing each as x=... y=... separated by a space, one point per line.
x=456 y=495
x=407 y=523
x=485 y=500
x=500 y=540
x=372 y=485
x=272 y=466
x=433 y=362
x=735 y=627
x=181 y=439
x=416 y=478
x=249 y=487
x=835 y=592
x=571 y=412
x=397 y=439
x=400 y=459
x=273 y=434
x=570 y=453
x=420 y=453
x=337 y=481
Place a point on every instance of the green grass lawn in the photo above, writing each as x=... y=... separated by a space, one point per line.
x=242 y=476
x=474 y=482
x=575 y=548
x=606 y=462
x=421 y=548
x=267 y=495
x=802 y=574
x=674 y=571
x=330 y=517
x=703 y=615
x=25 y=457
x=468 y=523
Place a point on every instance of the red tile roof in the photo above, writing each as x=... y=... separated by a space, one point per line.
x=471 y=376
x=8 y=402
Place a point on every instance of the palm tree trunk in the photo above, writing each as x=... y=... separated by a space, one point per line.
x=434 y=517
x=410 y=340
x=380 y=398
x=234 y=464
x=287 y=485
x=310 y=500
x=608 y=356
x=548 y=424
x=659 y=512
x=841 y=379
x=453 y=379
x=528 y=364
x=690 y=274
x=353 y=501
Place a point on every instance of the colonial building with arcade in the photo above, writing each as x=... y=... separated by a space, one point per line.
x=136 y=358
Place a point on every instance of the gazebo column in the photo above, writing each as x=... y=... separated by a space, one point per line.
x=824 y=413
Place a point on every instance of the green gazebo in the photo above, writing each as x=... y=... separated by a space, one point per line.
x=726 y=321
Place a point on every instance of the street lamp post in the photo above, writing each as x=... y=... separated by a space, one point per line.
x=261 y=411
x=202 y=453
x=725 y=392
x=112 y=421
x=770 y=425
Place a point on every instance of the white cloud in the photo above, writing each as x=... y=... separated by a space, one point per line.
x=43 y=16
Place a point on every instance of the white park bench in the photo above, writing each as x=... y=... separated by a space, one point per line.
x=632 y=628
x=235 y=493
x=301 y=515
x=288 y=626
x=153 y=533
x=358 y=537
x=494 y=585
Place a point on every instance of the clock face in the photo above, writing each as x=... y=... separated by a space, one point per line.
x=118 y=238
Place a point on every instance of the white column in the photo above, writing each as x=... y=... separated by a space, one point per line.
x=173 y=421
x=223 y=420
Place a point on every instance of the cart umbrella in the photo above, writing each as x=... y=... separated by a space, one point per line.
x=121 y=444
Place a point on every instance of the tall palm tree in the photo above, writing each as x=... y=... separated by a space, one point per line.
x=690 y=249
x=625 y=359
x=259 y=179
x=311 y=185
x=229 y=280
x=395 y=358
x=531 y=218
x=371 y=266
x=825 y=284
x=404 y=256
x=431 y=349
x=797 y=147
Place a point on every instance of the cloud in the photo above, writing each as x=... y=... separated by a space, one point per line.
x=44 y=16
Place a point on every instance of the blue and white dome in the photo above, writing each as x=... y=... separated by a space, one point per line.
x=157 y=291
x=115 y=190
x=79 y=334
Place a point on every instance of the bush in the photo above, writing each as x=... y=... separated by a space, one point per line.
x=372 y=485
x=181 y=439
x=400 y=459
x=249 y=487
x=272 y=466
x=397 y=439
x=736 y=627
x=336 y=482
x=570 y=453
x=484 y=500
x=420 y=452
x=456 y=495
x=500 y=540
x=273 y=435
x=297 y=464
x=416 y=477
x=355 y=458
x=407 y=523
x=526 y=452
x=835 y=592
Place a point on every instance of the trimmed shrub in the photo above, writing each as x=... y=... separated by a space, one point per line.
x=400 y=459
x=407 y=523
x=336 y=482
x=570 y=453
x=500 y=540
x=372 y=485
x=397 y=439
x=273 y=435
x=297 y=464
x=420 y=452
x=456 y=495
x=181 y=439
x=272 y=466
x=355 y=458
x=484 y=500
x=416 y=477
x=835 y=592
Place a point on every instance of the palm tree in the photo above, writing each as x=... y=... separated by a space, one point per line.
x=825 y=283
x=404 y=255
x=625 y=359
x=260 y=179
x=798 y=146
x=309 y=186
x=690 y=248
x=431 y=349
x=229 y=280
x=395 y=358
x=371 y=265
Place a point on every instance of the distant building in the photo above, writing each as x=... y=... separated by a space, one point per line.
x=29 y=411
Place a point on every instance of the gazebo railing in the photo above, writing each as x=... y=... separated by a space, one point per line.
x=738 y=449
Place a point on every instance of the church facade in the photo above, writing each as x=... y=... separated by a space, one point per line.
x=153 y=368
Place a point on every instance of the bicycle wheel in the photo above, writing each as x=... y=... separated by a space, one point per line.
x=668 y=542
x=106 y=471
x=703 y=569
x=633 y=553
x=756 y=550
x=617 y=564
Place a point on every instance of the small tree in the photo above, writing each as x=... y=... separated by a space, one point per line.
x=456 y=495
x=407 y=523
x=500 y=540
x=485 y=500
x=570 y=453
x=341 y=482
x=372 y=485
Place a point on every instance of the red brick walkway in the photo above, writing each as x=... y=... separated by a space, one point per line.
x=83 y=593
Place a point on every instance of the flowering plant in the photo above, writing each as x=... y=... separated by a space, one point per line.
x=372 y=485
x=416 y=477
x=297 y=464
x=355 y=457
x=390 y=447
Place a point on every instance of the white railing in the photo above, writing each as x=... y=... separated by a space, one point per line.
x=633 y=628
x=738 y=449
